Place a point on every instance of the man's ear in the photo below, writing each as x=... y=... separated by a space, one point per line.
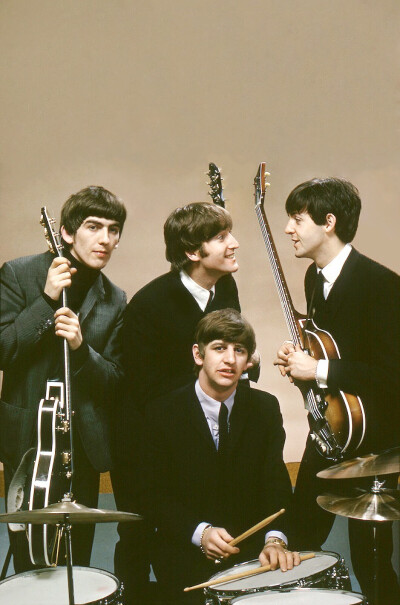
x=193 y=256
x=330 y=224
x=66 y=236
x=198 y=360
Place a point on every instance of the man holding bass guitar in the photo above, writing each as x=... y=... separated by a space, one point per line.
x=357 y=301
x=33 y=326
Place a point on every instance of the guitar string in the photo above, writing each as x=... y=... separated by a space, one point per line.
x=286 y=303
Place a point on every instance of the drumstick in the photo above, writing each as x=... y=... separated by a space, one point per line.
x=243 y=574
x=255 y=528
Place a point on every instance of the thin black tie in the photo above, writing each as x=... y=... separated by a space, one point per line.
x=208 y=305
x=318 y=298
x=222 y=428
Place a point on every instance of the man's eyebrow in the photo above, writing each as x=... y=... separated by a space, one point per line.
x=94 y=222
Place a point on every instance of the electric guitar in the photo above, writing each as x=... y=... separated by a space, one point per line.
x=337 y=419
x=53 y=467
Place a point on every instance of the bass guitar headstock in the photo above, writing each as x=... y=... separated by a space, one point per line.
x=260 y=184
x=52 y=236
x=215 y=184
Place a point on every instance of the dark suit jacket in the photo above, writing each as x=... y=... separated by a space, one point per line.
x=187 y=483
x=159 y=326
x=29 y=349
x=362 y=313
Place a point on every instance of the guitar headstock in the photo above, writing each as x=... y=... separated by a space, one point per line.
x=215 y=184
x=53 y=237
x=260 y=184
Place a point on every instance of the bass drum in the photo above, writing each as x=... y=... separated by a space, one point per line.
x=303 y=596
x=49 y=586
x=325 y=570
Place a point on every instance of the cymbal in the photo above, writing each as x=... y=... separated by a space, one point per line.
x=77 y=513
x=365 y=466
x=370 y=506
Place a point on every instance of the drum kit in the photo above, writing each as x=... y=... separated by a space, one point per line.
x=321 y=579
x=48 y=585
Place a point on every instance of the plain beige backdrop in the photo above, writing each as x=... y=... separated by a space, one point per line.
x=140 y=95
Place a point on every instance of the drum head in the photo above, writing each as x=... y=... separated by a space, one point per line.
x=302 y=596
x=270 y=579
x=50 y=586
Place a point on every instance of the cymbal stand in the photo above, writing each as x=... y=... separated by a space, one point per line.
x=66 y=527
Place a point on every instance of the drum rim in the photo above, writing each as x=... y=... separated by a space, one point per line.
x=301 y=589
x=110 y=598
x=212 y=590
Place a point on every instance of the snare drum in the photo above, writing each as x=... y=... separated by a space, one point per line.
x=325 y=570
x=303 y=596
x=49 y=586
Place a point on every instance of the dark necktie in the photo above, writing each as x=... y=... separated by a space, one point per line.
x=223 y=428
x=318 y=296
x=208 y=305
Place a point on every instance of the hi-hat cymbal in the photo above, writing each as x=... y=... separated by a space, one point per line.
x=77 y=513
x=365 y=466
x=370 y=506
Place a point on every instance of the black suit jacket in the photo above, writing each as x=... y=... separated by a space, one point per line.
x=362 y=313
x=159 y=326
x=187 y=483
x=29 y=349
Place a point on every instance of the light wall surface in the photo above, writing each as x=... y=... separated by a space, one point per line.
x=139 y=96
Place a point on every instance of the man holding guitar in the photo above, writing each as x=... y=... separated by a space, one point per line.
x=357 y=301
x=34 y=324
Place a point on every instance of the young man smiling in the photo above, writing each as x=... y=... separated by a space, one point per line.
x=359 y=305
x=214 y=465
x=33 y=325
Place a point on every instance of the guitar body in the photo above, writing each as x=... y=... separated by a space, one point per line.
x=50 y=473
x=343 y=412
x=337 y=419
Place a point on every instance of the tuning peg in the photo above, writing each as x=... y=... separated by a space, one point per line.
x=267 y=174
x=268 y=184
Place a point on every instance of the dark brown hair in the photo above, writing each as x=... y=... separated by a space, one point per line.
x=187 y=228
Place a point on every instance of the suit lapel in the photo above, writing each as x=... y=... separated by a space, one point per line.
x=239 y=416
x=95 y=294
x=339 y=291
x=198 y=419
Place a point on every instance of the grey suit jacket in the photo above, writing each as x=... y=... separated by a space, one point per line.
x=30 y=354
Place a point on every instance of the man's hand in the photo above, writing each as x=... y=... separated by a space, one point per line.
x=67 y=325
x=294 y=363
x=58 y=277
x=276 y=556
x=215 y=543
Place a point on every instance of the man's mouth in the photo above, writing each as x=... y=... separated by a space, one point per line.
x=228 y=371
x=231 y=256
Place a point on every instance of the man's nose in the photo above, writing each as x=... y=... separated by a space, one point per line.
x=289 y=227
x=104 y=235
x=232 y=242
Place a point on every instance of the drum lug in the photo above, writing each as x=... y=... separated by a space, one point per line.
x=339 y=577
x=302 y=583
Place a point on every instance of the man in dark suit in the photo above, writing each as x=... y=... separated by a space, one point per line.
x=359 y=305
x=161 y=318
x=33 y=326
x=210 y=476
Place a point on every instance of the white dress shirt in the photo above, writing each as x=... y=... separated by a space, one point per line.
x=330 y=272
x=200 y=294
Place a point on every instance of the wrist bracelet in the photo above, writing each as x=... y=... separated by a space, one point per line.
x=209 y=526
x=277 y=541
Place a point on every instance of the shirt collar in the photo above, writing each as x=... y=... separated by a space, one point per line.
x=200 y=294
x=211 y=406
x=332 y=270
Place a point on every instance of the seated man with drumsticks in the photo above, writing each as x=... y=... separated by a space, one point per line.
x=215 y=467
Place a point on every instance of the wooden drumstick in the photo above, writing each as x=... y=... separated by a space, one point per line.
x=243 y=574
x=256 y=527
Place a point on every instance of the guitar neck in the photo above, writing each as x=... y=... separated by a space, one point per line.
x=280 y=282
